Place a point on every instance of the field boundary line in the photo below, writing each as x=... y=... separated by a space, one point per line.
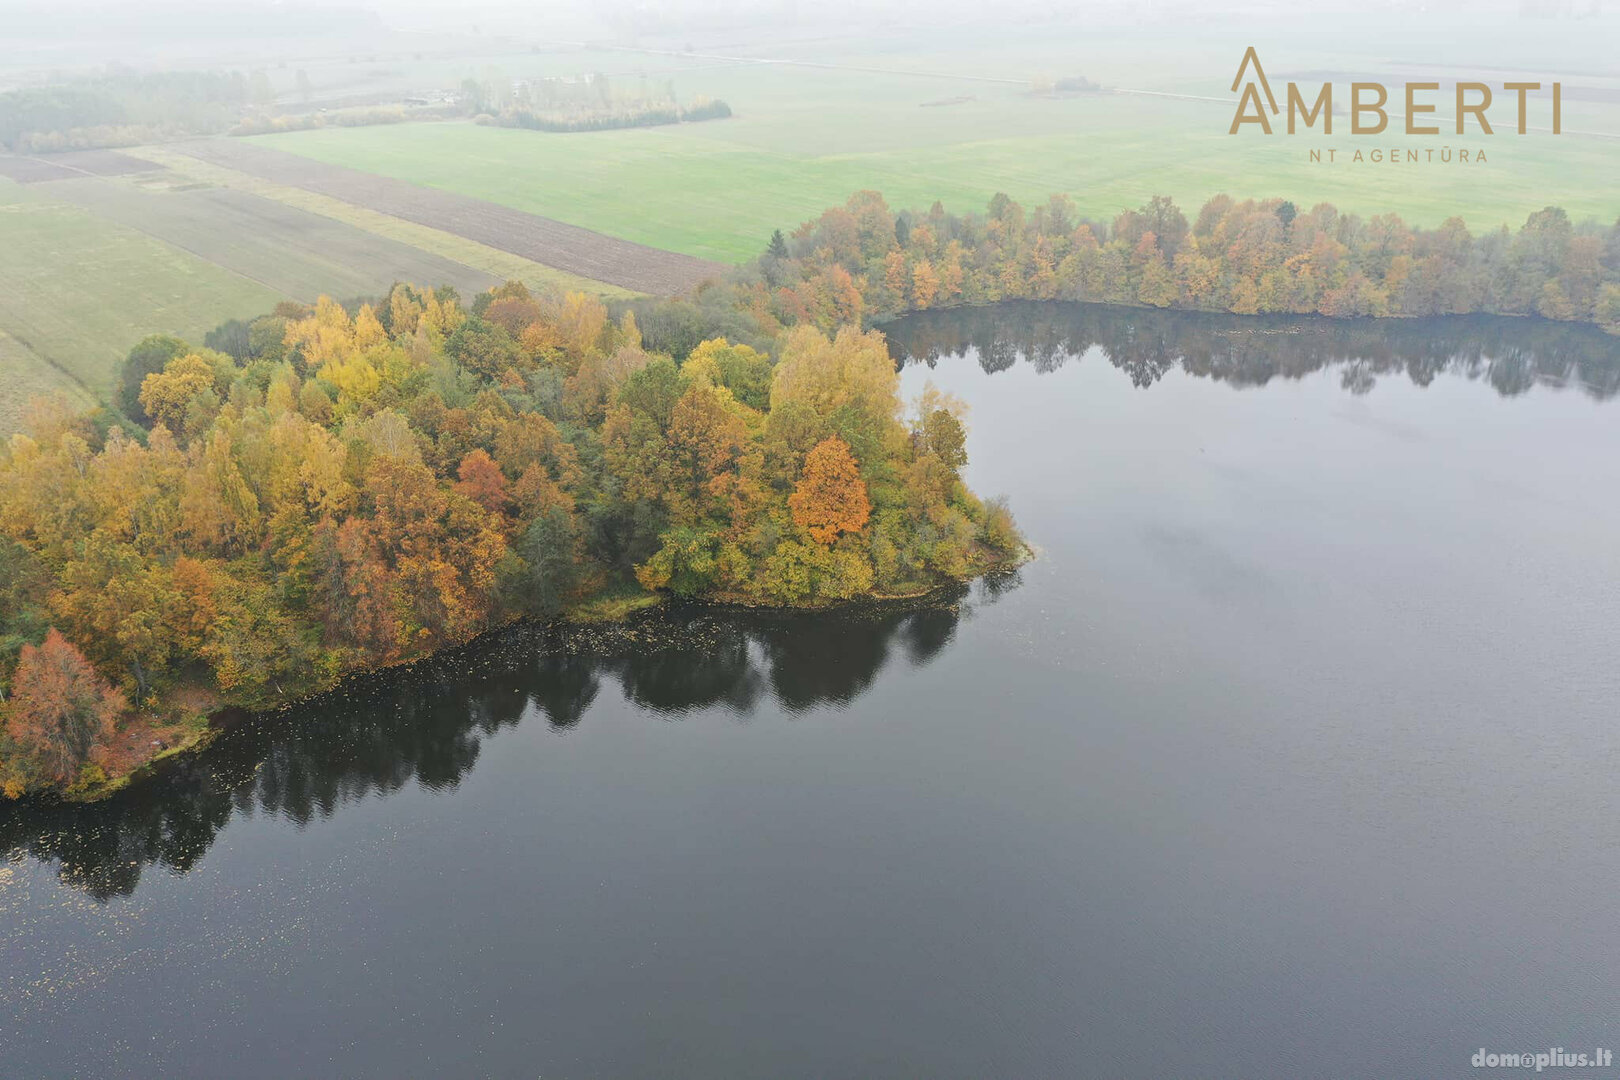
x=51 y=362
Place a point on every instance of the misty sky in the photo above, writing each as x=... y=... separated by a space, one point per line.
x=43 y=40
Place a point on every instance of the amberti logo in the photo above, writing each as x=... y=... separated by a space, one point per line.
x=1311 y=110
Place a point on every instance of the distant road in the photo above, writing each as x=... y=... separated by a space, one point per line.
x=553 y=243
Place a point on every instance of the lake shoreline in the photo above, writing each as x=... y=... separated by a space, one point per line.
x=600 y=611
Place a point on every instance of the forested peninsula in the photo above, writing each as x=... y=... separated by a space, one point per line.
x=347 y=486
x=333 y=490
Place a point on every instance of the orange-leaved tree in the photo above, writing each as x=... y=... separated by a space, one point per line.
x=61 y=710
x=482 y=481
x=830 y=497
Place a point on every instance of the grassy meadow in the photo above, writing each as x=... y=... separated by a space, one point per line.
x=92 y=265
x=29 y=376
x=958 y=127
x=80 y=290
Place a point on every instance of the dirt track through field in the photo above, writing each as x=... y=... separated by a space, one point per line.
x=27 y=169
x=31 y=170
x=553 y=243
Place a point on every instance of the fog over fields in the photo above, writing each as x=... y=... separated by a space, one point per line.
x=224 y=157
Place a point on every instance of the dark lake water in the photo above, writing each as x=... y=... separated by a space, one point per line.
x=1294 y=754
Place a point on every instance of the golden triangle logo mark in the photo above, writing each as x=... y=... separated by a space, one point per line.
x=1251 y=93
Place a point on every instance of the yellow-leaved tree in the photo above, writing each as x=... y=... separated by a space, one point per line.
x=166 y=394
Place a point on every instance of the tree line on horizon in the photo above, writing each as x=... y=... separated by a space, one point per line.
x=119 y=107
x=125 y=108
x=864 y=261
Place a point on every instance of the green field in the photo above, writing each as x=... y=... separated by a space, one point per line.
x=805 y=138
x=92 y=265
x=80 y=291
x=27 y=377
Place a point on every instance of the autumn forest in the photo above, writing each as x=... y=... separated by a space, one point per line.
x=356 y=490
x=345 y=486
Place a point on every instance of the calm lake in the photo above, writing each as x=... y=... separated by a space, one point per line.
x=1296 y=753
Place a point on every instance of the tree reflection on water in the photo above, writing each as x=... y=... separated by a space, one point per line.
x=1513 y=355
x=426 y=724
